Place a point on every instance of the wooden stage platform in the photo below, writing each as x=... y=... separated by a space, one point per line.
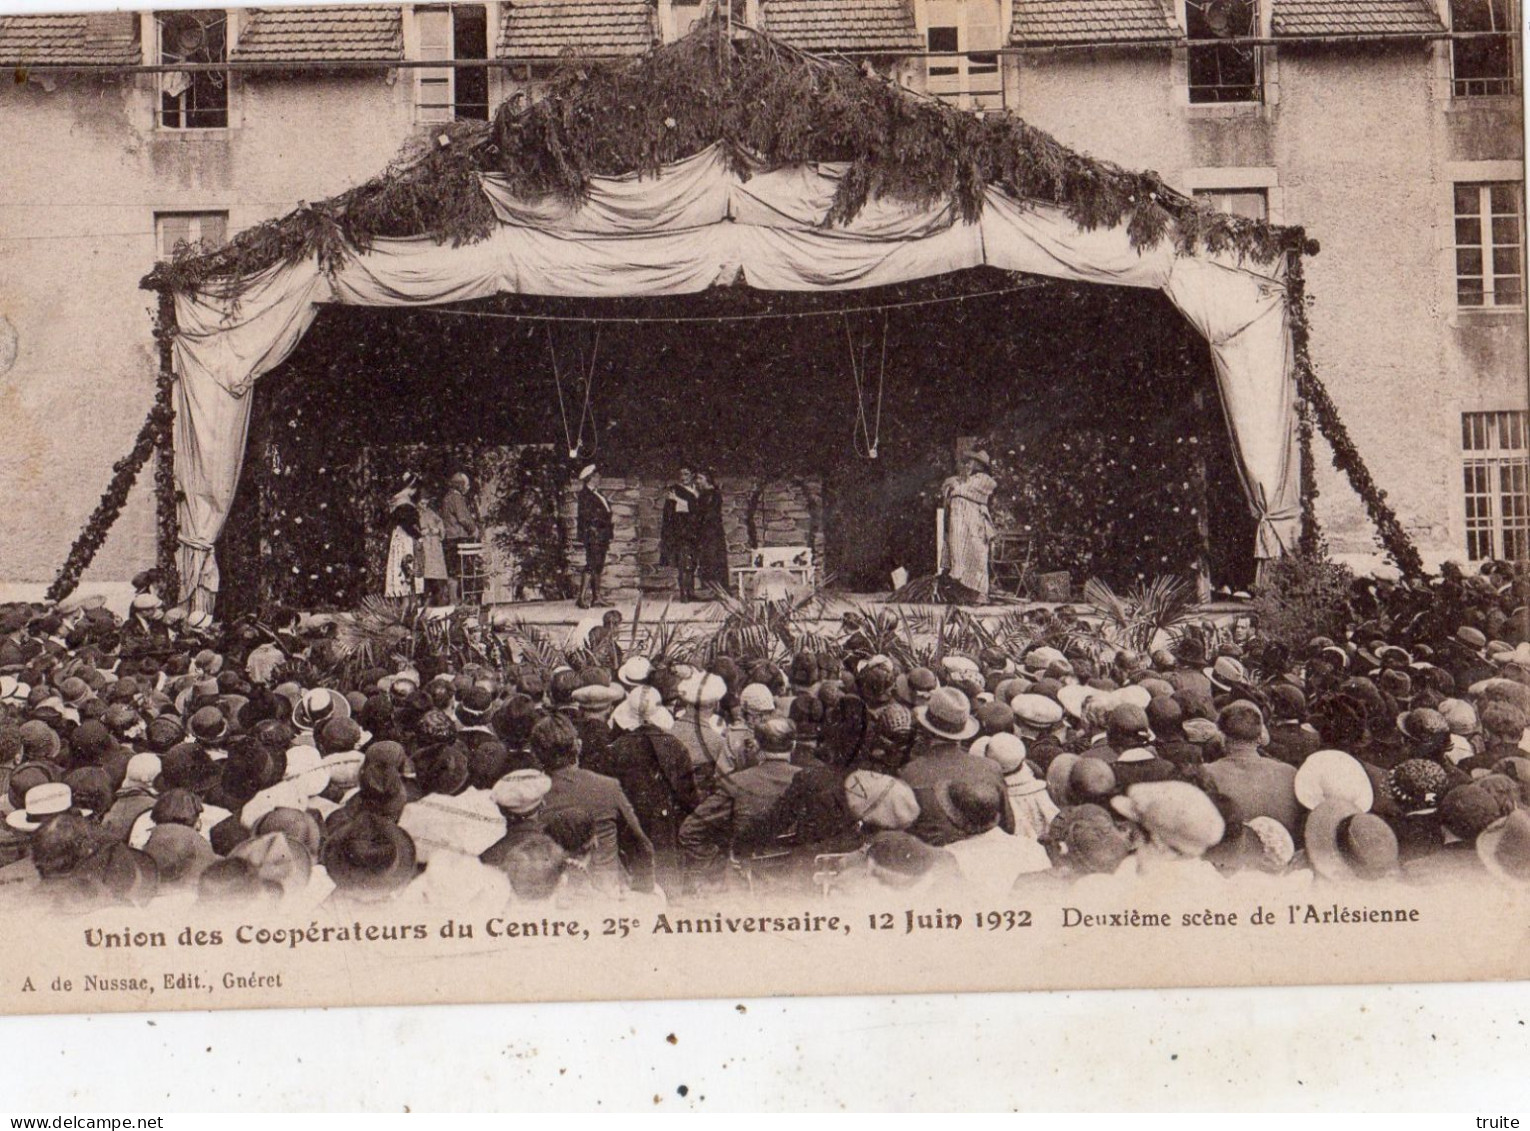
x=565 y=621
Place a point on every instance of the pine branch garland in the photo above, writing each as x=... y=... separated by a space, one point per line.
x=1346 y=457
x=757 y=96
x=166 y=496
x=767 y=102
x=124 y=475
x=1311 y=540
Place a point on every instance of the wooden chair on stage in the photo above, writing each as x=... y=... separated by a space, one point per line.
x=473 y=575
x=1009 y=563
x=1012 y=570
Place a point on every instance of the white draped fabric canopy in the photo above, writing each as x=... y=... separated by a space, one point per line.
x=699 y=224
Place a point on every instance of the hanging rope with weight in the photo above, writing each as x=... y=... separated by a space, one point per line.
x=573 y=439
x=587 y=413
x=866 y=435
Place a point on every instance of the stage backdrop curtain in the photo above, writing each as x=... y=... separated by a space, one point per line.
x=697 y=224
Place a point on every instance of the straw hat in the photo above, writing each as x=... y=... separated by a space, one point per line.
x=1074 y=696
x=1174 y=814
x=1333 y=775
x=1504 y=847
x=880 y=800
x=948 y=715
x=42 y=801
x=644 y=705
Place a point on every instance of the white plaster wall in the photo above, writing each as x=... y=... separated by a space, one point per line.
x=84 y=172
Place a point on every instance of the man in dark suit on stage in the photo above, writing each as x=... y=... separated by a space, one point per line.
x=596 y=529
x=680 y=533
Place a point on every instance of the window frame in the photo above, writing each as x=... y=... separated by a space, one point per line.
x=1488 y=246
x=449 y=110
x=197 y=216
x=951 y=77
x=1495 y=478
x=161 y=21
x=1191 y=10
x=445 y=75
x=1209 y=194
x=1509 y=84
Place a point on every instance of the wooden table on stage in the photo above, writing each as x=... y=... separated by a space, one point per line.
x=795 y=562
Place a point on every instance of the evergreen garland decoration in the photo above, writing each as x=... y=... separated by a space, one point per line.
x=1346 y=457
x=755 y=96
x=1311 y=539
x=166 y=497
x=125 y=471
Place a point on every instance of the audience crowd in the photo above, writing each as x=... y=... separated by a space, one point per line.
x=165 y=758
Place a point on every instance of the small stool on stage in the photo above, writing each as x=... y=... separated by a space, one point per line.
x=473 y=578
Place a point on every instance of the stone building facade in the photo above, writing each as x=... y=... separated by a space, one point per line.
x=1397 y=146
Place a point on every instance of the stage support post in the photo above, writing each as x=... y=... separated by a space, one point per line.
x=167 y=523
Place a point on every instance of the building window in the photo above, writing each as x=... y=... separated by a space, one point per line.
x=1484 y=60
x=460 y=32
x=1497 y=482
x=1224 y=72
x=1489 y=248
x=1251 y=204
x=204 y=229
x=193 y=100
x=963 y=40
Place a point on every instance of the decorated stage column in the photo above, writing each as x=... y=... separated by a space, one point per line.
x=167 y=526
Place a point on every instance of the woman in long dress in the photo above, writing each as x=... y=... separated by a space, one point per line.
x=400 y=568
x=969 y=525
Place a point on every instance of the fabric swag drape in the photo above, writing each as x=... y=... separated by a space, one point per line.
x=699 y=224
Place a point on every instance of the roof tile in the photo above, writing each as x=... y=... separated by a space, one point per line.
x=1090 y=21
x=61 y=40
x=843 y=25
x=546 y=29
x=320 y=34
x=1354 y=17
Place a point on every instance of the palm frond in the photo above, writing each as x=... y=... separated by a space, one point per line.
x=772 y=629
x=1018 y=631
x=966 y=634
x=1136 y=620
x=535 y=646
x=1105 y=604
x=579 y=658
x=668 y=643
x=376 y=631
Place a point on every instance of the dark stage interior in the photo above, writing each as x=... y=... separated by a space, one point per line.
x=1097 y=403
